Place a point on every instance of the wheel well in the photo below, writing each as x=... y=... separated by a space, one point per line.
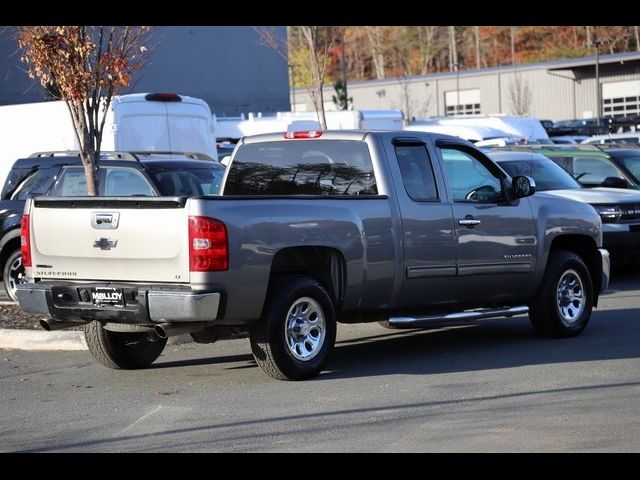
x=325 y=264
x=586 y=248
x=8 y=249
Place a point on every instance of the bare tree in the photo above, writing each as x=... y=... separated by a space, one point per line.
x=85 y=67
x=375 y=38
x=520 y=95
x=318 y=42
x=413 y=106
x=428 y=44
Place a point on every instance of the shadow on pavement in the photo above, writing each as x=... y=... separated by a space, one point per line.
x=488 y=345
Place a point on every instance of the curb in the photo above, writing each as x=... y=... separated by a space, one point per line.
x=36 y=340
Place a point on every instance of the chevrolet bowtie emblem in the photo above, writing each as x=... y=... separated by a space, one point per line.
x=105 y=243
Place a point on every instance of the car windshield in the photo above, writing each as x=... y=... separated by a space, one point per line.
x=546 y=174
x=187 y=180
x=632 y=163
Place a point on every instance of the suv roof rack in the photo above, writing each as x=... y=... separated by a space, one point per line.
x=190 y=155
x=73 y=153
x=123 y=155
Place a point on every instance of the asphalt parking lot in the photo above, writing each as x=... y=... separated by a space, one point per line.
x=492 y=386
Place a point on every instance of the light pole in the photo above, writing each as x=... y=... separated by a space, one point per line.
x=597 y=43
x=457 y=68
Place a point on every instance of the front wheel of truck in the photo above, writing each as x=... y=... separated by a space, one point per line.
x=297 y=331
x=122 y=350
x=563 y=305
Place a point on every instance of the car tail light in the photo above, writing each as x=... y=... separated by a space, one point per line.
x=303 y=134
x=163 y=97
x=25 y=241
x=208 y=245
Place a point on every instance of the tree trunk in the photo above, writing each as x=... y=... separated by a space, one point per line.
x=90 y=174
x=635 y=31
x=343 y=65
x=477 y=29
x=453 y=49
x=513 y=45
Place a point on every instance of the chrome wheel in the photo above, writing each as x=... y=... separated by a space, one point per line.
x=15 y=277
x=571 y=297
x=305 y=329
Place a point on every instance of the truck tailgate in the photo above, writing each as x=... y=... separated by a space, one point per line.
x=110 y=239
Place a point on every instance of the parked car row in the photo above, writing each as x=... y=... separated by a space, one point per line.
x=619 y=209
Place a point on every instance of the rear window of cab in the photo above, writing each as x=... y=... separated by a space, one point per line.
x=326 y=167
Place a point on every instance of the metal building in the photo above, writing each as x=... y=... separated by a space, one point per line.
x=226 y=66
x=556 y=90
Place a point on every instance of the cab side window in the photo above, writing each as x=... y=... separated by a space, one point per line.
x=470 y=181
x=417 y=172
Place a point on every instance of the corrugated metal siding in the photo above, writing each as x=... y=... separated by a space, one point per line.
x=555 y=95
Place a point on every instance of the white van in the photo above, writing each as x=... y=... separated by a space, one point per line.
x=520 y=127
x=234 y=128
x=137 y=122
x=473 y=133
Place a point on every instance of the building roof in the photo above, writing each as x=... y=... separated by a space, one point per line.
x=565 y=64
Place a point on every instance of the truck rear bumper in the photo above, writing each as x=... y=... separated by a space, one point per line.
x=143 y=304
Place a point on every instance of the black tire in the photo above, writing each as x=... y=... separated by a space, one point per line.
x=269 y=342
x=121 y=350
x=545 y=311
x=13 y=273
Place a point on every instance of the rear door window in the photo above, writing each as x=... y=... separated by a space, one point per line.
x=295 y=167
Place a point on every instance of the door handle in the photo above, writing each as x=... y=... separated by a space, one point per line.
x=469 y=222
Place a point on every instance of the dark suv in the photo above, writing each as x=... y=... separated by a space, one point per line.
x=61 y=174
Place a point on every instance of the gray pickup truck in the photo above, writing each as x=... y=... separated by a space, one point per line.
x=405 y=228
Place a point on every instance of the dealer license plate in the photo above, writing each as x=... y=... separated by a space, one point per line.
x=107 y=296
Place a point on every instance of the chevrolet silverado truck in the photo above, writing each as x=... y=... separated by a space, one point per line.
x=313 y=228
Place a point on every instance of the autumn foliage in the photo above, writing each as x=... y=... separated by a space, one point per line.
x=400 y=51
x=84 y=66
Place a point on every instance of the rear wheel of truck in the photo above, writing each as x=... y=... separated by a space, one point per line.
x=122 y=350
x=13 y=274
x=563 y=305
x=297 y=331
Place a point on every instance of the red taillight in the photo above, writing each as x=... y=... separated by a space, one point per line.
x=303 y=134
x=25 y=241
x=208 y=245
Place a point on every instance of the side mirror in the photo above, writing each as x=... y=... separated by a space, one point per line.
x=225 y=161
x=522 y=186
x=615 y=182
